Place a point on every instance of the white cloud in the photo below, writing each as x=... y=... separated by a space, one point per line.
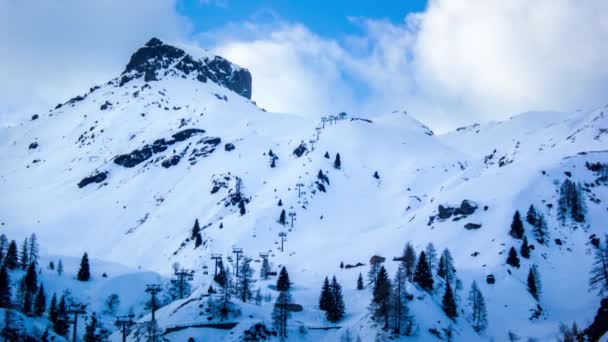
x=53 y=50
x=458 y=61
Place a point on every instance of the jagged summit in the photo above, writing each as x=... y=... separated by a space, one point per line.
x=156 y=60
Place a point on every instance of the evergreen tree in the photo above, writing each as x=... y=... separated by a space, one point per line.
x=282 y=218
x=336 y=309
x=512 y=259
x=60 y=267
x=246 y=280
x=325 y=297
x=525 y=248
x=84 y=273
x=373 y=272
x=571 y=203
x=479 y=313
x=540 y=230
x=90 y=330
x=599 y=270
x=220 y=277
x=402 y=321
x=326 y=155
x=360 y=282
x=11 y=260
x=3 y=247
x=532 y=216
x=196 y=229
x=409 y=261
x=40 y=302
x=5 y=289
x=12 y=330
x=283 y=283
x=423 y=276
x=449 y=303
x=61 y=325
x=45 y=336
x=24 y=258
x=281 y=313
x=517 y=226
x=381 y=297
x=431 y=256
x=534 y=282
x=226 y=294
x=34 y=250
x=53 y=312
x=446 y=269
x=265 y=269
x=198 y=241
x=337 y=162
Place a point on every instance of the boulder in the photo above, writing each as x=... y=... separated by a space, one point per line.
x=472 y=226
x=229 y=147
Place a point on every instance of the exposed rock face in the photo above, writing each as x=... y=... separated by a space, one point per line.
x=467 y=207
x=98 y=177
x=156 y=60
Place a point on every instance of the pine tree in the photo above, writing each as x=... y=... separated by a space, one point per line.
x=532 y=216
x=431 y=256
x=409 y=261
x=84 y=273
x=283 y=283
x=53 y=313
x=196 y=229
x=534 y=282
x=198 y=241
x=281 y=313
x=24 y=258
x=381 y=297
x=61 y=325
x=325 y=297
x=360 y=282
x=479 y=313
x=40 y=302
x=512 y=259
x=265 y=269
x=449 y=303
x=34 y=250
x=540 y=230
x=5 y=289
x=599 y=271
x=336 y=309
x=90 y=330
x=517 y=226
x=337 y=162
x=246 y=280
x=525 y=248
x=446 y=269
x=11 y=260
x=3 y=247
x=423 y=276
x=282 y=218
x=60 y=267
x=373 y=272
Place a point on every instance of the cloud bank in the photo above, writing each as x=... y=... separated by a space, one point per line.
x=455 y=63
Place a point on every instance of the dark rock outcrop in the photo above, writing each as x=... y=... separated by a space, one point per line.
x=300 y=150
x=229 y=147
x=466 y=208
x=157 y=59
x=33 y=145
x=472 y=226
x=97 y=177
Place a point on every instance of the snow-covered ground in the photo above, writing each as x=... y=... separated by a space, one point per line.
x=141 y=217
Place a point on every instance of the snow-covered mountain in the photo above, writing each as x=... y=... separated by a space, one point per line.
x=124 y=170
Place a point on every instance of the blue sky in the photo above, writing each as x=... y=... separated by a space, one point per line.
x=326 y=18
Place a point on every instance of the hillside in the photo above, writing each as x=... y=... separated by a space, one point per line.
x=124 y=170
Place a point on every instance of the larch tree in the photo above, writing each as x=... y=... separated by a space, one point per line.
x=479 y=312
x=446 y=269
x=599 y=271
x=402 y=321
x=431 y=256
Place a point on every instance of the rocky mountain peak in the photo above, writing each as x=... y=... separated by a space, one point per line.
x=156 y=60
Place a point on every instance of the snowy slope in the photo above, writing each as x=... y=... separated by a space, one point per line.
x=141 y=214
